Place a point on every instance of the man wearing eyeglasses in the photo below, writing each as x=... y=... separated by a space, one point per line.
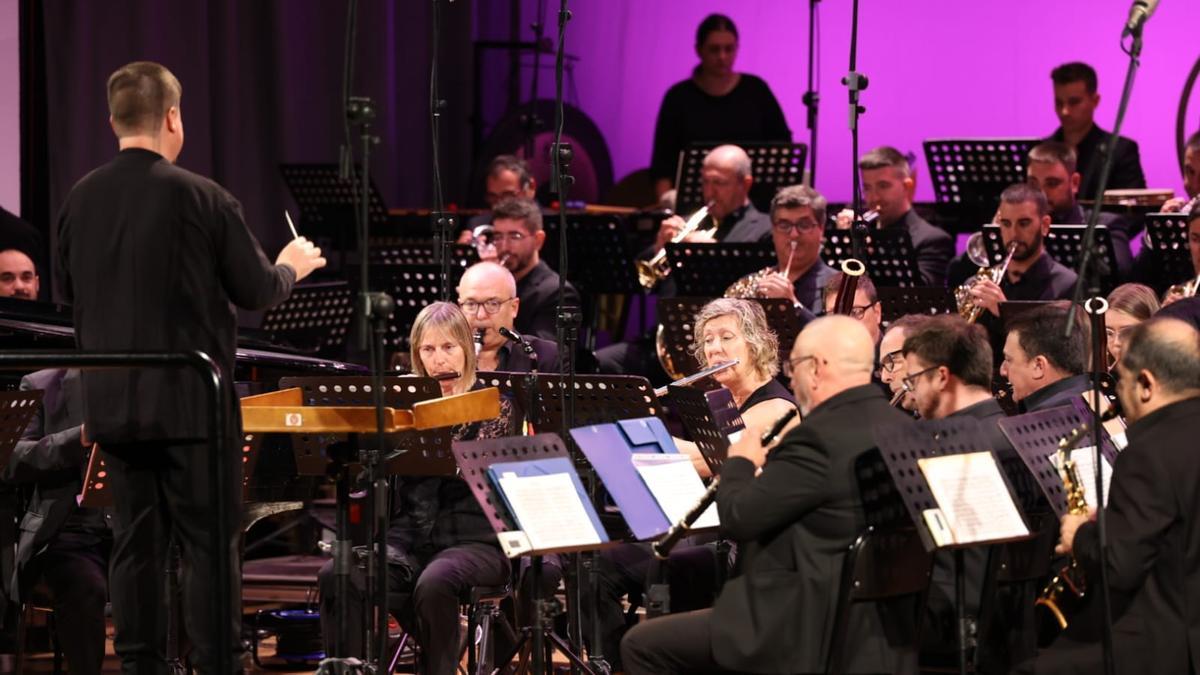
x=518 y=237
x=866 y=309
x=487 y=294
x=797 y=227
x=794 y=521
x=949 y=374
x=892 y=367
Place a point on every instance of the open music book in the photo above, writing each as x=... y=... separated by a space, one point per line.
x=974 y=502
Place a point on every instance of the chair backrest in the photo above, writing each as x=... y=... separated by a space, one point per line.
x=886 y=564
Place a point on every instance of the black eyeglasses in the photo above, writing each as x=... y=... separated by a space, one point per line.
x=890 y=361
x=786 y=227
x=490 y=306
x=910 y=381
x=789 y=366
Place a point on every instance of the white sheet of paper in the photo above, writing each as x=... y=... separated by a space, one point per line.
x=973 y=497
x=675 y=485
x=1085 y=468
x=549 y=510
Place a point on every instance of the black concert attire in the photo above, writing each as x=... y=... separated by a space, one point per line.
x=512 y=358
x=1060 y=393
x=538 y=291
x=688 y=115
x=1047 y=279
x=933 y=247
x=794 y=523
x=154 y=258
x=810 y=286
x=691 y=570
x=64 y=545
x=440 y=545
x=1153 y=567
x=1127 y=165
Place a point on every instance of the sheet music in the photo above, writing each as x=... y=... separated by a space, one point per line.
x=973 y=497
x=675 y=485
x=1085 y=468
x=549 y=510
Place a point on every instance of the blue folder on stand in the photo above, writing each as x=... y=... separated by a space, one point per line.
x=609 y=448
x=545 y=467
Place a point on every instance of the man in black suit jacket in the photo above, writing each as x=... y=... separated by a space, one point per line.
x=487 y=294
x=1075 y=103
x=889 y=185
x=793 y=523
x=519 y=237
x=64 y=544
x=1153 y=566
x=1045 y=369
x=154 y=257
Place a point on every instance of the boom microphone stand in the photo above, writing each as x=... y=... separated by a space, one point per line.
x=812 y=98
x=856 y=82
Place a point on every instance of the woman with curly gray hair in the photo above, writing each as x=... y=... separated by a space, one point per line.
x=730 y=328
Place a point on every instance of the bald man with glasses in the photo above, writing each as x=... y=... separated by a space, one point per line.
x=487 y=294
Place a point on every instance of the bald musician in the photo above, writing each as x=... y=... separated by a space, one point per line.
x=1153 y=568
x=775 y=616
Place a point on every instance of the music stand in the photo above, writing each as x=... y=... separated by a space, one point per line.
x=896 y=301
x=777 y=164
x=474 y=459
x=17 y=408
x=707 y=269
x=891 y=258
x=1063 y=244
x=1167 y=236
x=413 y=287
x=599 y=253
x=314 y=319
x=695 y=411
x=327 y=202
x=968 y=174
x=406 y=251
x=1036 y=436
x=901 y=447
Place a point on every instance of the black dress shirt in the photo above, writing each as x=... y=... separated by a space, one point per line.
x=538 y=292
x=1045 y=280
x=810 y=286
x=1127 y=165
x=932 y=246
x=1119 y=231
x=1057 y=394
x=747 y=113
x=154 y=258
x=512 y=359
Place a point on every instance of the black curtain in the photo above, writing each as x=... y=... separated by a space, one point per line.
x=262 y=86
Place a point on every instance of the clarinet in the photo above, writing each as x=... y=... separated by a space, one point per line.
x=662 y=547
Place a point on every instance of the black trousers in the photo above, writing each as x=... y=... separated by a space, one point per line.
x=159 y=490
x=426 y=604
x=677 y=643
x=75 y=570
x=629 y=570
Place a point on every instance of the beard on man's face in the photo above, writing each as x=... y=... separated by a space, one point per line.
x=1024 y=252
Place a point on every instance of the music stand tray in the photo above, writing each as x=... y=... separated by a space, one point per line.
x=314 y=319
x=707 y=269
x=968 y=174
x=1167 y=235
x=599 y=252
x=17 y=408
x=1036 y=436
x=891 y=258
x=327 y=202
x=318 y=411
x=777 y=164
x=694 y=410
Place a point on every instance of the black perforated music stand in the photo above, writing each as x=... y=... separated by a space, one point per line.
x=776 y=164
x=314 y=319
x=693 y=409
x=327 y=202
x=599 y=254
x=1036 y=436
x=708 y=269
x=968 y=174
x=407 y=251
x=413 y=287
x=1167 y=236
x=17 y=408
x=891 y=258
x=896 y=301
x=1063 y=244
x=421 y=452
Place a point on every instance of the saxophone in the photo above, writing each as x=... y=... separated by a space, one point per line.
x=1063 y=596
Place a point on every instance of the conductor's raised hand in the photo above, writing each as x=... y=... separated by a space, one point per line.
x=302 y=256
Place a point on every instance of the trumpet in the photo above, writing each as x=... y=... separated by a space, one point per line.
x=1064 y=594
x=654 y=270
x=978 y=255
x=1187 y=289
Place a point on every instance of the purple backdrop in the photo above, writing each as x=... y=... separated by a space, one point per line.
x=937 y=68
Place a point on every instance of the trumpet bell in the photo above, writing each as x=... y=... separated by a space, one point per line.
x=976 y=251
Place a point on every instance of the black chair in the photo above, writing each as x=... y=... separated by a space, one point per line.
x=481 y=605
x=881 y=565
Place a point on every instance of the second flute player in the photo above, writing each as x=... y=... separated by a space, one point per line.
x=793 y=522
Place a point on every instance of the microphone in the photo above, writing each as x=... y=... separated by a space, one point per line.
x=1139 y=14
x=514 y=336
